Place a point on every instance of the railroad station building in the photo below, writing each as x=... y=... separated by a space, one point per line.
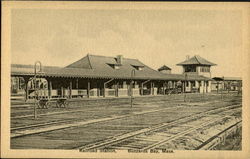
x=101 y=76
x=197 y=66
x=226 y=84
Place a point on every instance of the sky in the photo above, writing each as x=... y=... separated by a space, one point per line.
x=58 y=37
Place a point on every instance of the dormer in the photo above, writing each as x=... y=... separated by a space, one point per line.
x=114 y=66
x=138 y=67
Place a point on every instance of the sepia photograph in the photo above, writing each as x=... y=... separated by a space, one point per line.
x=125 y=79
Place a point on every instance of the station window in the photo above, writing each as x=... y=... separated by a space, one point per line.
x=190 y=68
x=205 y=69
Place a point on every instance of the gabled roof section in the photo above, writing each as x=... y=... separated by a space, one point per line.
x=103 y=62
x=82 y=63
x=164 y=67
x=196 y=60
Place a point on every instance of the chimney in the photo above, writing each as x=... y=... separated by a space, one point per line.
x=119 y=59
x=187 y=57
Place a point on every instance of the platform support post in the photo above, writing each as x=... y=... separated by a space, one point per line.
x=70 y=89
x=163 y=88
x=88 y=89
x=49 y=88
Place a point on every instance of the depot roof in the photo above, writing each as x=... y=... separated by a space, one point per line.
x=93 y=66
x=196 y=60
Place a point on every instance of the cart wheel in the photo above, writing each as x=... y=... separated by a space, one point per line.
x=38 y=105
x=47 y=105
x=57 y=105
x=66 y=104
x=43 y=105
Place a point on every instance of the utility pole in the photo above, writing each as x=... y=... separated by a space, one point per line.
x=131 y=89
x=35 y=86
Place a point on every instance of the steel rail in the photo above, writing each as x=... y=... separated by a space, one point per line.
x=66 y=121
x=73 y=124
x=211 y=142
x=162 y=142
x=79 y=110
x=121 y=138
x=40 y=124
x=183 y=133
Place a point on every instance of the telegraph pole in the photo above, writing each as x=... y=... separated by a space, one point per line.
x=35 y=86
x=131 y=87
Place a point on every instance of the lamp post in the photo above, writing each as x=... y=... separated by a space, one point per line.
x=131 y=87
x=36 y=93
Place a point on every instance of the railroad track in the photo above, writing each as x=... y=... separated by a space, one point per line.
x=73 y=122
x=40 y=124
x=79 y=110
x=181 y=134
x=216 y=139
x=142 y=140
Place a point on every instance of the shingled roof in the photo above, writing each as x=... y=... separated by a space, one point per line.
x=100 y=62
x=196 y=60
x=164 y=67
x=93 y=66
